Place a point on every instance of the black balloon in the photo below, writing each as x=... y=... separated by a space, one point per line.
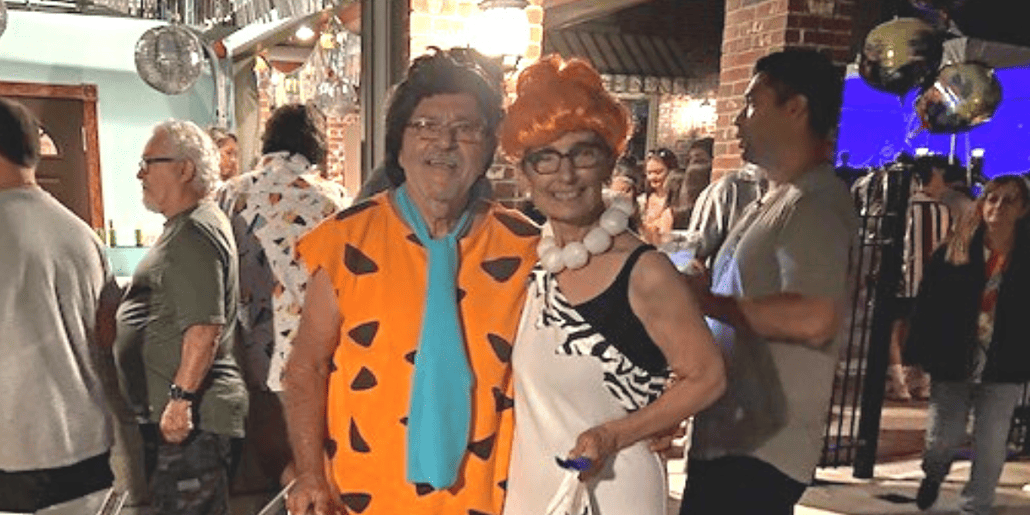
x=963 y=96
x=900 y=54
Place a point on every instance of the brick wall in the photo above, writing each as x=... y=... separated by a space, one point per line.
x=755 y=28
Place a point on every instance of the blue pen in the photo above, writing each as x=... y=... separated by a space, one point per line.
x=580 y=464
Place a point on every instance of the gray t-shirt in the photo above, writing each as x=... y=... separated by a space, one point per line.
x=798 y=239
x=53 y=411
x=188 y=277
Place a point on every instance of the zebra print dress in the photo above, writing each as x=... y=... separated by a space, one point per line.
x=569 y=378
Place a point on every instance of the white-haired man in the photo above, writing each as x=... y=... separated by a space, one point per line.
x=175 y=329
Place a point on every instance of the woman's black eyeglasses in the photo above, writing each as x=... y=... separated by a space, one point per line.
x=583 y=155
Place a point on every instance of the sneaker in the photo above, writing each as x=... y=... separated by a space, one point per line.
x=897 y=391
x=927 y=494
x=919 y=383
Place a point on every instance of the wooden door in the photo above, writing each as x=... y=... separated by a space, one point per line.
x=70 y=166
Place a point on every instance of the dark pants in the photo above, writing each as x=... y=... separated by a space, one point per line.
x=30 y=490
x=739 y=485
x=191 y=478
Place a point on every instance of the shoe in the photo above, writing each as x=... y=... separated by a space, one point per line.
x=897 y=391
x=919 y=383
x=927 y=494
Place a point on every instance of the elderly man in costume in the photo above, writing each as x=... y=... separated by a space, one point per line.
x=400 y=373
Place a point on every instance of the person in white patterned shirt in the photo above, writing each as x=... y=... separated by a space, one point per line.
x=270 y=208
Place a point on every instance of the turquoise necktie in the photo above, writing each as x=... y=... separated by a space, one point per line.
x=441 y=389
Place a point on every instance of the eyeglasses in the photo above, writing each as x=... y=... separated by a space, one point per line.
x=582 y=155
x=462 y=130
x=144 y=163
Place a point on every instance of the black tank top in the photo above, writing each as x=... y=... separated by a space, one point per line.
x=610 y=314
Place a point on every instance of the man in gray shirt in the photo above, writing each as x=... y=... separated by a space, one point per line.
x=57 y=301
x=776 y=300
x=176 y=328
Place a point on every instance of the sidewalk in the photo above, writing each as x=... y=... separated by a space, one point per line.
x=892 y=490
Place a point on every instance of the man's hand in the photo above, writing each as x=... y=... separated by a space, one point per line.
x=312 y=495
x=177 y=420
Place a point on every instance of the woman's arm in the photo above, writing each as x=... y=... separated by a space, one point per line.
x=666 y=307
x=306 y=384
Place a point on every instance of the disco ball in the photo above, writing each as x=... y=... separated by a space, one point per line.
x=3 y=17
x=900 y=54
x=169 y=58
x=963 y=96
x=336 y=97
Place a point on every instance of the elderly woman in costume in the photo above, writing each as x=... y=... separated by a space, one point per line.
x=607 y=317
x=400 y=375
x=969 y=331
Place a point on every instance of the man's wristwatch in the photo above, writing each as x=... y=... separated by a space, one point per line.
x=177 y=393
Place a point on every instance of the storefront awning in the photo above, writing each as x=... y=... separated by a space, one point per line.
x=621 y=54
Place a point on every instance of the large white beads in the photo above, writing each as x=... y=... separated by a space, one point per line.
x=552 y=260
x=575 y=255
x=623 y=204
x=597 y=240
x=614 y=221
x=546 y=242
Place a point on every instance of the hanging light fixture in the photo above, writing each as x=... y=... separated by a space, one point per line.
x=501 y=29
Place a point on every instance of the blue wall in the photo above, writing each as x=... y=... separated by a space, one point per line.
x=875 y=126
x=77 y=49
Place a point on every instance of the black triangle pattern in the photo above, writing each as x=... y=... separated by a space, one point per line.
x=355 y=209
x=357 y=442
x=483 y=448
x=500 y=346
x=501 y=269
x=518 y=226
x=501 y=401
x=356 y=501
x=357 y=262
x=365 y=380
x=364 y=334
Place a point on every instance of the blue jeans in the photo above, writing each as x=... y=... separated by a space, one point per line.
x=992 y=405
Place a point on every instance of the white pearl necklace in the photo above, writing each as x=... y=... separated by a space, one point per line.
x=598 y=240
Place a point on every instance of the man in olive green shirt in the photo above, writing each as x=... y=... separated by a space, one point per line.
x=175 y=330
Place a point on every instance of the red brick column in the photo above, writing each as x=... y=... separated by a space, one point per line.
x=755 y=28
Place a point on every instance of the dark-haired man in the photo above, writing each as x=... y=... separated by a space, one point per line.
x=270 y=208
x=777 y=298
x=57 y=301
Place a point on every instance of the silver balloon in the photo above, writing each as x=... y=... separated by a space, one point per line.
x=932 y=5
x=963 y=96
x=900 y=54
x=169 y=58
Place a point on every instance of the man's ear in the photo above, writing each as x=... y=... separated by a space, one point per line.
x=189 y=170
x=797 y=105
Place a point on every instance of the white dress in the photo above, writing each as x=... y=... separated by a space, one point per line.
x=561 y=391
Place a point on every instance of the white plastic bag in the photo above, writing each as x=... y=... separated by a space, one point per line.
x=571 y=497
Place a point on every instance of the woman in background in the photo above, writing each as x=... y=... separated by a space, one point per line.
x=606 y=318
x=656 y=211
x=969 y=331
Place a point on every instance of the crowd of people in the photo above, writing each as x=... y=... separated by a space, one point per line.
x=427 y=350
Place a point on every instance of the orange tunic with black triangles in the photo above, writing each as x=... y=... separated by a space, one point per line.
x=378 y=268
